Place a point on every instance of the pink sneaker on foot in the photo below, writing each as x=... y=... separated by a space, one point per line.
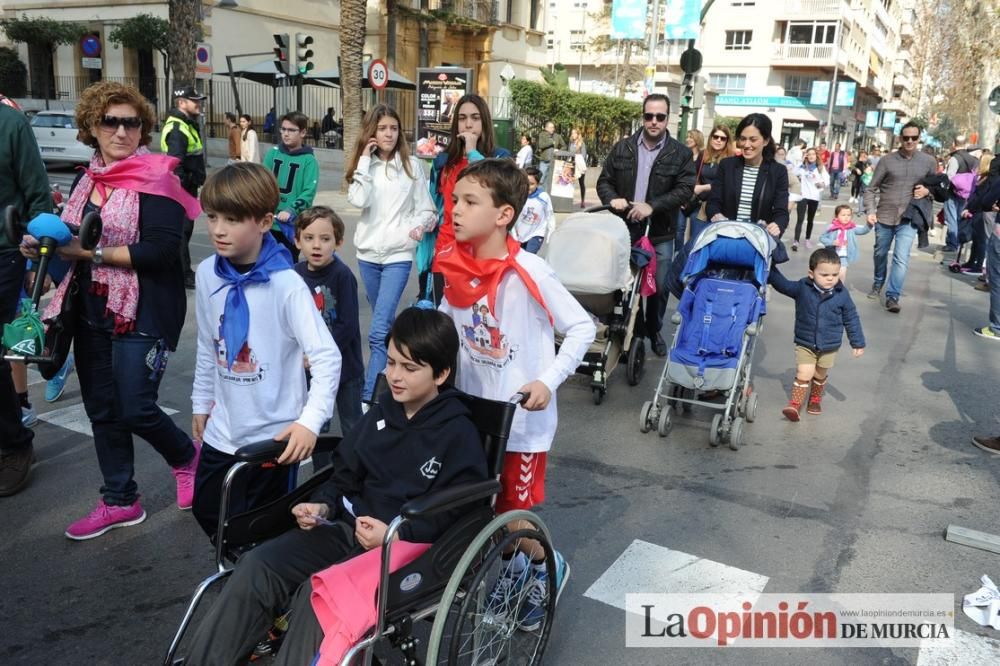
x=105 y=517
x=185 y=479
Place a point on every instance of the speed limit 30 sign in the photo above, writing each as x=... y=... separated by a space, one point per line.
x=378 y=74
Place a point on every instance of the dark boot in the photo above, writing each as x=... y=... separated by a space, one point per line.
x=15 y=469
x=799 y=390
x=816 y=396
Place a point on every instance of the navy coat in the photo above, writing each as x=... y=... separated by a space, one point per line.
x=820 y=318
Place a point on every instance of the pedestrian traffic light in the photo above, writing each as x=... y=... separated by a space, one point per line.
x=303 y=53
x=687 y=91
x=281 y=62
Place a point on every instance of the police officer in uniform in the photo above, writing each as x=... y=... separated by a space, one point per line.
x=180 y=138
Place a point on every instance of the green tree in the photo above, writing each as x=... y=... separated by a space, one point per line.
x=557 y=76
x=352 y=43
x=13 y=73
x=146 y=32
x=42 y=35
x=185 y=31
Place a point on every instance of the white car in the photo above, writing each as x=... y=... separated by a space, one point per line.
x=55 y=132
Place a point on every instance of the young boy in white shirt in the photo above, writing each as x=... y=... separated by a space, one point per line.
x=256 y=320
x=524 y=304
x=537 y=218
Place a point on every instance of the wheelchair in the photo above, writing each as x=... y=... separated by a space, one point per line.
x=448 y=585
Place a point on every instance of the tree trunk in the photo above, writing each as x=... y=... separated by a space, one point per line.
x=352 y=43
x=184 y=32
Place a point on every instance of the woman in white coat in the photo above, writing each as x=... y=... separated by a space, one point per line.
x=390 y=188
x=249 y=148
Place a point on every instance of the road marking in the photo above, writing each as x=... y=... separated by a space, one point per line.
x=74 y=418
x=965 y=648
x=647 y=568
x=34 y=377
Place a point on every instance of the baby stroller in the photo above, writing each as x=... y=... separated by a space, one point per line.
x=591 y=254
x=720 y=316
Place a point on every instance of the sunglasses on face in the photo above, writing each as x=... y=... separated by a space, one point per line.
x=909 y=138
x=720 y=137
x=112 y=123
x=659 y=117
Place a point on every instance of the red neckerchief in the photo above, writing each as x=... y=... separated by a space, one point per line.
x=843 y=228
x=467 y=279
x=449 y=176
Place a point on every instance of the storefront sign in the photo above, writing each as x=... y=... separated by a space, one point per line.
x=438 y=92
x=749 y=100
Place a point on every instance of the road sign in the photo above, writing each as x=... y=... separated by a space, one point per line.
x=378 y=74
x=203 y=61
x=995 y=100
x=691 y=61
x=90 y=45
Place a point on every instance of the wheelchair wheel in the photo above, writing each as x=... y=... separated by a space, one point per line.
x=467 y=628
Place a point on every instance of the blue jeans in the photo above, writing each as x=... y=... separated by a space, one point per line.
x=348 y=410
x=543 y=170
x=384 y=285
x=993 y=272
x=119 y=390
x=692 y=222
x=884 y=235
x=835 y=183
x=952 y=208
x=656 y=305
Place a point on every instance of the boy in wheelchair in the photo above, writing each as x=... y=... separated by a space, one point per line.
x=417 y=439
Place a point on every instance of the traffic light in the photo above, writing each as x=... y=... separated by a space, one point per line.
x=281 y=62
x=303 y=53
x=687 y=91
x=698 y=94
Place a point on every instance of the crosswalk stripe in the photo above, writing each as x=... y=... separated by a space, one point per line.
x=648 y=568
x=34 y=377
x=74 y=417
x=964 y=648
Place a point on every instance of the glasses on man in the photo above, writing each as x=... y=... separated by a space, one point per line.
x=658 y=117
x=720 y=137
x=112 y=123
x=907 y=137
x=289 y=130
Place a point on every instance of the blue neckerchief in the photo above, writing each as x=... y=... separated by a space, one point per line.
x=236 y=314
x=536 y=193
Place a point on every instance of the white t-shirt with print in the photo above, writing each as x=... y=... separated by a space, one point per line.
x=537 y=218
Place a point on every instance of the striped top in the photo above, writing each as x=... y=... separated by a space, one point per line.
x=746 y=192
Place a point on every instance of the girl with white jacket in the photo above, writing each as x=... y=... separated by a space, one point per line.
x=391 y=189
x=812 y=178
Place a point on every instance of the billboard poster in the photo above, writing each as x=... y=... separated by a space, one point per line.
x=888 y=119
x=628 y=19
x=820 y=93
x=564 y=181
x=845 y=93
x=438 y=92
x=871 y=119
x=683 y=19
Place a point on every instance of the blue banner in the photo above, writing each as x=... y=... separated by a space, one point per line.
x=628 y=19
x=871 y=119
x=888 y=119
x=845 y=93
x=820 y=94
x=683 y=19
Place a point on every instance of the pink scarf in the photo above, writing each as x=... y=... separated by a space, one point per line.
x=142 y=172
x=842 y=228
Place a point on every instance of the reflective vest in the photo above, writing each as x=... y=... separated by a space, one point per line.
x=194 y=146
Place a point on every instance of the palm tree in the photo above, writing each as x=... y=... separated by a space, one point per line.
x=185 y=30
x=352 y=43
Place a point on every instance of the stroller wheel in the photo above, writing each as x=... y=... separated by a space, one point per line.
x=644 y=414
x=715 y=434
x=751 y=409
x=663 y=424
x=598 y=395
x=736 y=434
x=636 y=361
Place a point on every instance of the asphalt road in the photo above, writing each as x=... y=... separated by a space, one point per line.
x=856 y=500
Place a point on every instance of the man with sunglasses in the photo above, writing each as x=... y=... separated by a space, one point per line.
x=897 y=180
x=650 y=175
x=181 y=138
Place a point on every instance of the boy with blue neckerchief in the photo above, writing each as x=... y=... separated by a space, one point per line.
x=256 y=320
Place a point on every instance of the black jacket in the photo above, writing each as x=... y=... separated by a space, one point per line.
x=671 y=181
x=387 y=460
x=987 y=192
x=770 y=194
x=191 y=170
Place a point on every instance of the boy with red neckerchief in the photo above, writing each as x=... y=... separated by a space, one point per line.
x=507 y=304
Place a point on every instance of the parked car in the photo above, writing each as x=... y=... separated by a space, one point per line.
x=55 y=132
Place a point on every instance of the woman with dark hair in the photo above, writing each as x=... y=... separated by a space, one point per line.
x=752 y=186
x=471 y=140
x=128 y=299
x=390 y=188
x=249 y=147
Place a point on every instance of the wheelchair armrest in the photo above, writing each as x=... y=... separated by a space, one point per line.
x=450 y=498
x=269 y=449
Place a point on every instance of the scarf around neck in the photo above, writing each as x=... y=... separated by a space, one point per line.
x=842 y=228
x=468 y=279
x=236 y=312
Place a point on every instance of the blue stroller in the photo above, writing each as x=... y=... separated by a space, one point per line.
x=719 y=318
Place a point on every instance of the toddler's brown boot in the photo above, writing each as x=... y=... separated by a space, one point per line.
x=799 y=390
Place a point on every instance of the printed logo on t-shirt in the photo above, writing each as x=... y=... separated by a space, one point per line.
x=430 y=468
x=246 y=368
x=326 y=303
x=485 y=343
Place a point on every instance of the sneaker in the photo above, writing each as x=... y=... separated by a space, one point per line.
x=991 y=444
x=15 y=469
x=875 y=293
x=503 y=596
x=29 y=417
x=986 y=332
x=533 y=610
x=55 y=386
x=971 y=270
x=809 y=244
x=892 y=305
x=981 y=286
x=104 y=518
x=795 y=246
x=185 y=479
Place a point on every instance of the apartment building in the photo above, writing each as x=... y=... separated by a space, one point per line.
x=767 y=56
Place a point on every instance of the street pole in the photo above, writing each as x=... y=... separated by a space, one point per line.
x=583 y=27
x=833 y=86
x=651 y=61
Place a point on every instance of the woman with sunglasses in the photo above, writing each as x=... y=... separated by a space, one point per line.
x=720 y=146
x=752 y=186
x=126 y=299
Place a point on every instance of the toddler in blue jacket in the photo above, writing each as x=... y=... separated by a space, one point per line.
x=842 y=235
x=823 y=310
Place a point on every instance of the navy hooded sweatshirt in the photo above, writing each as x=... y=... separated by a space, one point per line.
x=387 y=460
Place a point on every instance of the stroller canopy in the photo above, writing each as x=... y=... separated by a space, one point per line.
x=590 y=253
x=739 y=244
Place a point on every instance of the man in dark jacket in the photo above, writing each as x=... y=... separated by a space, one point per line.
x=181 y=138
x=25 y=186
x=650 y=175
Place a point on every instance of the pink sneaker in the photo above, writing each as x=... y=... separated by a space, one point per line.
x=809 y=244
x=105 y=517
x=185 y=479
